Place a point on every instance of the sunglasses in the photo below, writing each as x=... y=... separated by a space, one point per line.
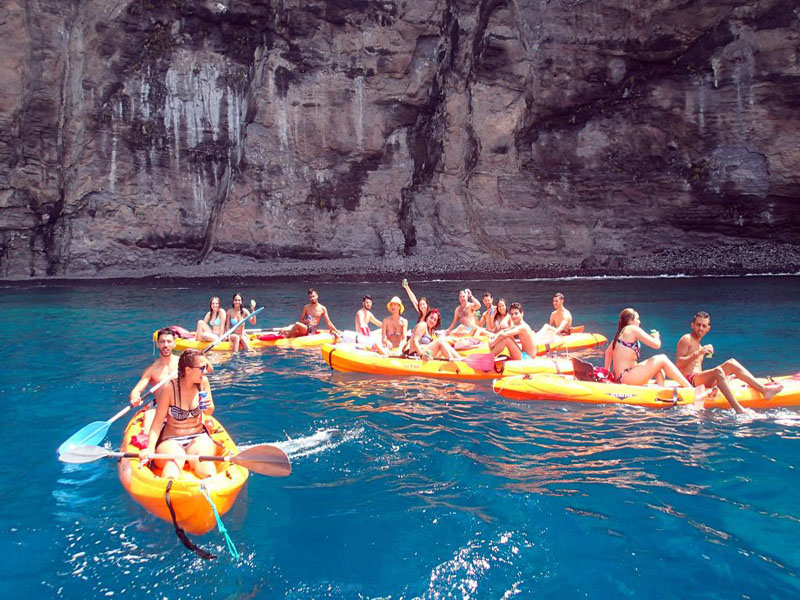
x=204 y=369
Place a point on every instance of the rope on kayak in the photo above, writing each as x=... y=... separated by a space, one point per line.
x=221 y=526
x=181 y=533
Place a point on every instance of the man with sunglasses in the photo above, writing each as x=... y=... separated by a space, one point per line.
x=164 y=366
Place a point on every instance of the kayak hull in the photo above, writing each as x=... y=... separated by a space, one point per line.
x=349 y=358
x=560 y=388
x=192 y=510
x=572 y=342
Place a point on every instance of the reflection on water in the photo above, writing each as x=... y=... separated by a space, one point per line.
x=409 y=488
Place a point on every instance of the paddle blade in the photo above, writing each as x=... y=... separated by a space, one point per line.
x=264 y=459
x=92 y=434
x=481 y=362
x=83 y=454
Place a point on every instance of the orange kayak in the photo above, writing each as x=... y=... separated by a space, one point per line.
x=565 y=388
x=192 y=510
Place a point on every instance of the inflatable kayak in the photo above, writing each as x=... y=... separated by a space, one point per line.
x=565 y=388
x=259 y=339
x=192 y=510
x=353 y=359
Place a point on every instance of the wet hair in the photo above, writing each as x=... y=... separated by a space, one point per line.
x=558 y=295
x=625 y=318
x=701 y=314
x=514 y=305
x=187 y=359
x=164 y=331
x=312 y=291
x=434 y=311
x=505 y=303
x=366 y=297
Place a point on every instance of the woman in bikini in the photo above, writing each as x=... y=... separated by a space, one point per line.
x=425 y=344
x=177 y=427
x=624 y=354
x=238 y=314
x=502 y=320
x=394 y=327
x=210 y=327
x=422 y=305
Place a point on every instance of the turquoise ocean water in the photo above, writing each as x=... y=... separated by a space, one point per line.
x=406 y=488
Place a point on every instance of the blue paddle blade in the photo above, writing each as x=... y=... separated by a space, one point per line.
x=90 y=435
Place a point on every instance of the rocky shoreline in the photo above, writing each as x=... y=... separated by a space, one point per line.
x=707 y=260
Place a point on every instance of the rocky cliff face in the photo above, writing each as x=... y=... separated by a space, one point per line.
x=142 y=133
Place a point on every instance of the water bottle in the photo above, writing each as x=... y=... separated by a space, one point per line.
x=203 y=400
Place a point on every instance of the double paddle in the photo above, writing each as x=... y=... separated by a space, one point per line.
x=264 y=459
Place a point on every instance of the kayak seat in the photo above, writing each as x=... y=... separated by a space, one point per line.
x=584 y=371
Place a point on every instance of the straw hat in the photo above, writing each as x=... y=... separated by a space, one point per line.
x=395 y=300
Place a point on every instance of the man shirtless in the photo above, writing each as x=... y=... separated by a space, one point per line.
x=464 y=321
x=166 y=365
x=689 y=359
x=312 y=314
x=560 y=320
x=526 y=348
x=364 y=317
x=487 y=318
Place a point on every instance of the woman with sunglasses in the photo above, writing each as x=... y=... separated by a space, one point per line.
x=177 y=427
x=425 y=344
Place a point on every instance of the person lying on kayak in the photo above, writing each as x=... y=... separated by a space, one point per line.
x=310 y=317
x=690 y=355
x=504 y=340
x=212 y=326
x=364 y=317
x=624 y=354
x=424 y=343
x=164 y=366
x=238 y=314
x=394 y=328
x=422 y=305
x=464 y=320
x=177 y=426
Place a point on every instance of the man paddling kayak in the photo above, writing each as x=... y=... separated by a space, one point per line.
x=164 y=366
x=690 y=356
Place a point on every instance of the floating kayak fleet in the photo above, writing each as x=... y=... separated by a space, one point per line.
x=551 y=373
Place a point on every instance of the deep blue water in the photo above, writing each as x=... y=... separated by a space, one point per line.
x=405 y=488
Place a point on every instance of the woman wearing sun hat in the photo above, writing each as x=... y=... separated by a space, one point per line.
x=394 y=327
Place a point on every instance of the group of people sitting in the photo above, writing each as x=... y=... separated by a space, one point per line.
x=502 y=324
x=217 y=321
x=178 y=428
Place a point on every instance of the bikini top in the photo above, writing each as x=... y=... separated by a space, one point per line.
x=178 y=413
x=635 y=346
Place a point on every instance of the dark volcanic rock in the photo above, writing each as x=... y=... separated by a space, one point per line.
x=146 y=136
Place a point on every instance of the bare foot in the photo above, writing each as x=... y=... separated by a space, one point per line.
x=771 y=389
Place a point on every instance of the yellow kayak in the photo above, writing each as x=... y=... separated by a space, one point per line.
x=192 y=510
x=353 y=359
x=564 y=388
x=258 y=341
